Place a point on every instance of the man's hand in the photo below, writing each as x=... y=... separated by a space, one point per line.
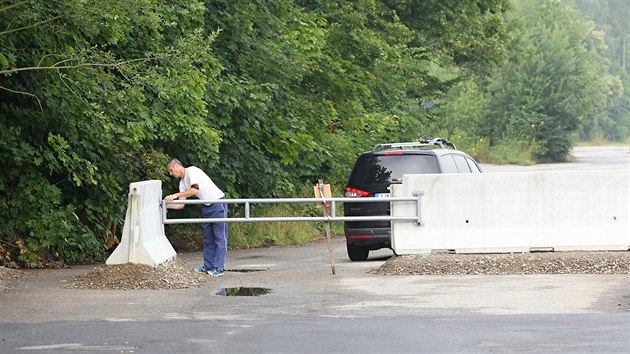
x=170 y=198
x=181 y=195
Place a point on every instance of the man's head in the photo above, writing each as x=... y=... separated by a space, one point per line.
x=175 y=168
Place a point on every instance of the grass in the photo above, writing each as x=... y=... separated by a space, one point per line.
x=604 y=142
x=188 y=237
x=264 y=234
x=517 y=153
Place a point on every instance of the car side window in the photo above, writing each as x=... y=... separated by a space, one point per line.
x=448 y=164
x=473 y=166
x=462 y=166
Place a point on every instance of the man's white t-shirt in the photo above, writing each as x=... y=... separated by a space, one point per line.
x=207 y=189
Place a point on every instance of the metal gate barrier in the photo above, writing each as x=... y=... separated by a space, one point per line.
x=331 y=215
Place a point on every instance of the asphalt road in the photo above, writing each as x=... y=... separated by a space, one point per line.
x=309 y=310
x=583 y=158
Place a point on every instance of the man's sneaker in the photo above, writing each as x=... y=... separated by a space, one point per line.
x=216 y=272
x=201 y=269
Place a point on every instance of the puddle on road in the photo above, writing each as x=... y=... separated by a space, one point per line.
x=243 y=291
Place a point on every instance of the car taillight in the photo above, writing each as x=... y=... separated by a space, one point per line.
x=361 y=236
x=353 y=192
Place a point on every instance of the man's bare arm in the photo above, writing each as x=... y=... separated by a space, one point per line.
x=181 y=196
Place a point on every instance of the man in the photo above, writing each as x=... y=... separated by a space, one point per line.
x=195 y=183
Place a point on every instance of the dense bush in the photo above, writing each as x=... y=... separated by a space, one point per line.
x=267 y=96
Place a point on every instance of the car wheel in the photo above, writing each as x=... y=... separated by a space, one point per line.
x=357 y=253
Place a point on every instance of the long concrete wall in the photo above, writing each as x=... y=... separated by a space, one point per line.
x=515 y=212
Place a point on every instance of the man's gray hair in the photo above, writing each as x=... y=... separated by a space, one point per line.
x=173 y=161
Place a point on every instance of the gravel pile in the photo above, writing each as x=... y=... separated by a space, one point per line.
x=517 y=263
x=173 y=274
x=7 y=276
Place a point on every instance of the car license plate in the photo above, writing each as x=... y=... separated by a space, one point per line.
x=381 y=195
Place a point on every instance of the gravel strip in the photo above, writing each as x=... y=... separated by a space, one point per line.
x=516 y=263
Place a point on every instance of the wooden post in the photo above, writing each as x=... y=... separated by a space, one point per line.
x=322 y=194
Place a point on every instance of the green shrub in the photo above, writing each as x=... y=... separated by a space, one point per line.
x=517 y=152
x=513 y=152
x=63 y=236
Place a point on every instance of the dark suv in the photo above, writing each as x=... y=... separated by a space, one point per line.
x=376 y=170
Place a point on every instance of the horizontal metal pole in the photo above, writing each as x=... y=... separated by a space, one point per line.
x=249 y=202
x=292 y=200
x=291 y=219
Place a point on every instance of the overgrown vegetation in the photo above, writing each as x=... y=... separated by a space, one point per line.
x=247 y=235
x=268 y=96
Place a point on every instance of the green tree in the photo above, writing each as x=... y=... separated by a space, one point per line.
x=554 y=79
x=266 y=95
x=267 y=120
x=93 y=94
x=610 y=17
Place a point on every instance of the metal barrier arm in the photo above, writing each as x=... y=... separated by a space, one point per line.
x=332 y=217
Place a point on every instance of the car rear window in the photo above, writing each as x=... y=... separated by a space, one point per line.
x=371 y=169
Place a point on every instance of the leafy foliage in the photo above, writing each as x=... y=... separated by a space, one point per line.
x=610 y=17
x=562 y=79
x=267 y=96
x=92 y=94
x=552 y=86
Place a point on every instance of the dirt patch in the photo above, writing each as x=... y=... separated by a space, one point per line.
x=8 y=276
x=173 y=274
x=518 y=263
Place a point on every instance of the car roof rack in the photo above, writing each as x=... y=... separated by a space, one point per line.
x=442 y=143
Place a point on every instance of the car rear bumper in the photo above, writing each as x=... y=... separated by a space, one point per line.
x=374 y=238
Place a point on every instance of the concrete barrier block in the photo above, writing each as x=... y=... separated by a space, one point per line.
x=143 y=239
x=515 y=212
